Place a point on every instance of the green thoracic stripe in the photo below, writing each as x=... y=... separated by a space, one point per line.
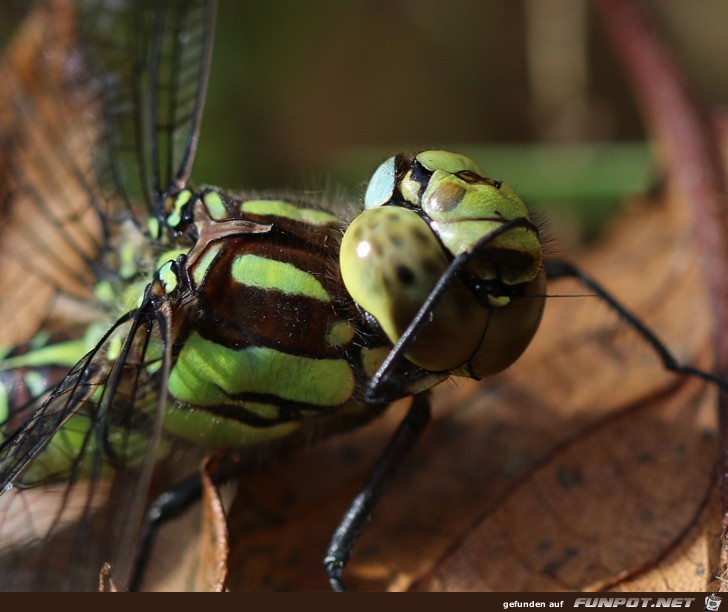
x=203 y=265
x=263 y=273
x=208 y=374
x=168 y=277
x=279 y=208
x=215 y=206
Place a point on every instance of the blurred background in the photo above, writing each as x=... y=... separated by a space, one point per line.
x=312 y=95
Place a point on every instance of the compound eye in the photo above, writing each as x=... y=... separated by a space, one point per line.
x=390 y=261
x=381 y=185
x=510 y=330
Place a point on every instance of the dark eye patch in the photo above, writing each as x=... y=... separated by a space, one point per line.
x=472 y=178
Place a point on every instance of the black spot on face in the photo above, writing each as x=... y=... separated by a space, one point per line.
x=405 y=274
x=475 y=179
x=392 y=216
x=431 y=267
x=396 y=241
x=377 y=247
x=421 y=236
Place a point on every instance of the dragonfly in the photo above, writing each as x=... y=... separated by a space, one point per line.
x=153 y=319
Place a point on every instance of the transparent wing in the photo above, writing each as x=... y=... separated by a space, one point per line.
x=77 y=467
x=99 y=116
x=153 y=61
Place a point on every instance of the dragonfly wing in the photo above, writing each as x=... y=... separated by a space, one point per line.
x=152 y=60
x=75 y=474
x=99 y=117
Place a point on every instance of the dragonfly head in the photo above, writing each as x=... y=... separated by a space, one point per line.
x=424 y=214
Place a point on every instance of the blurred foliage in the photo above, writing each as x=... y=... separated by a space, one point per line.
x=310 y=96
x=296 y=84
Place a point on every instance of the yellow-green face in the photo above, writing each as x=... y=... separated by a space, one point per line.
x=421 y=212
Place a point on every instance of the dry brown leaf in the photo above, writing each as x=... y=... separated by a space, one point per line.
x=212 y=570
x=107 y=584
x=48 y=116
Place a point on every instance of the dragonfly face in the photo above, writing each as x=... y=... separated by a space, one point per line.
x=180 y=317
x=422 y=212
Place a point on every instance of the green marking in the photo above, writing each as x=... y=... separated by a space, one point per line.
x=266 y=411
x=410 y=189
x=63 y=452
x=215 y=206
x=35 y=382
x=168 y=277
x=340 y=334
x=154 y=357
x=104 y=291
x=128 y=264
x=447 y=161
x=115 y=345
x=170 y=255
x=60 y=455
x=131 y=297
x=208 y=374
x=175 y=217
x=203 y=265
x=371 y=359
x=256 y=271
x=287 y=210
x=202 y=428
x=62 y=354
x=4 y=406
x=153 y=227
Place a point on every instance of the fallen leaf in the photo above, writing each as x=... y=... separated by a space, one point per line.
x=212 y=569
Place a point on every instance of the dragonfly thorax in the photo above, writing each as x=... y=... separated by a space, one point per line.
x=265 y=337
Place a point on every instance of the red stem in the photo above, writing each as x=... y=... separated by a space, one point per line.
x=690 y=152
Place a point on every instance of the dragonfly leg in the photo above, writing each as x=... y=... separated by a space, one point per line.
x=360 y=509
x=564 y=269
x=169 y=505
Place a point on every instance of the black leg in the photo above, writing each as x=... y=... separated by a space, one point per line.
x=562 y=269
x=169 y=505
x=173 y=503
x=358 y=513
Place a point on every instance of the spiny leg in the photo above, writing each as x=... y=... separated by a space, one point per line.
x=564 y=269
x=171 y=504
x=360 y=509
